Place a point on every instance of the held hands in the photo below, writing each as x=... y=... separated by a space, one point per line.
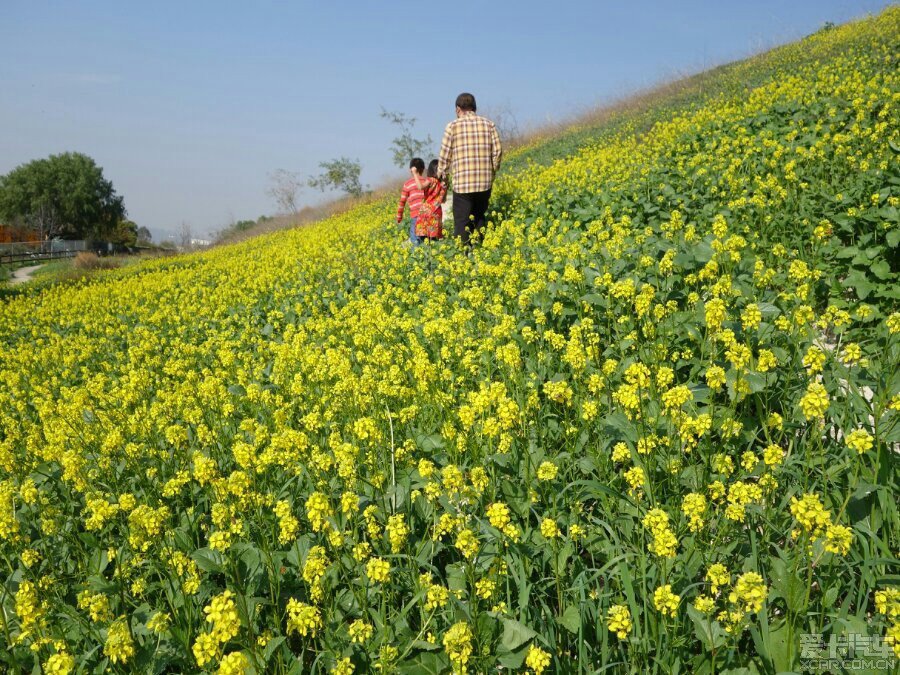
x=416 y=177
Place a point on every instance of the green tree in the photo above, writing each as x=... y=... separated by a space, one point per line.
x=340 y=174
x=124 y=233
x=405 y=146
x=62 y=195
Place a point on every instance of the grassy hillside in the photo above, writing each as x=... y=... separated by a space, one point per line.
x=649 y=426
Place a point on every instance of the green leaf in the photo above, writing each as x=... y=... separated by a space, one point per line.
x=889 y=292
x=427 y=663
x=781 y=651
x=617 y=422
x=562 y=557
x=271 y=646
x=570 y=619
x=431 y=443
x=165 y=659
x=882 y=270
x=768 y=310
x=586 y=465
x=456 y=577
x=593 y=299
x=209 y=560
x=249 y=555
x=628 y=587
x=486 y=628
x=756 y=381
x=594 y=489
x=853 y=624
x=512 y=660
x=102 y=584
x=425 y=646
x=709 y=632
x=788 y=585
x=857 y=280
x=867 y=254
x=515 y=634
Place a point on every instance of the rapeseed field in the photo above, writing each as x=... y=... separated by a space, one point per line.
x=650 y=425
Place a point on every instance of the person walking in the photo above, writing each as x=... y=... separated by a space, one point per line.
x=471 y=154
x=429 y=224
x=411 y=194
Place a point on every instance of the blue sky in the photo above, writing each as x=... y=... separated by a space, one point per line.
x=189 y=106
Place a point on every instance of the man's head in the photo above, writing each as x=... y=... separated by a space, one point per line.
x=417 y=164
x=465 y=103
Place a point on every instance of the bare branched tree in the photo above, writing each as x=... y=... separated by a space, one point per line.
x=45 y=220
x=143 y=235
x=284 y=188
x=184 y=236
x=505 y=120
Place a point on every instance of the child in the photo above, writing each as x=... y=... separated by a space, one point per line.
x=429 y=224
x=413 y=195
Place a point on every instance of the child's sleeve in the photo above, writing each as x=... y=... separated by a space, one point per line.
x=404 y=195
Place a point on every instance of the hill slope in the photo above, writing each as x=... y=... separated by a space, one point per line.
x=647 y=426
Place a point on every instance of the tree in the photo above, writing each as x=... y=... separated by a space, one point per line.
x=125 y=233
x=505 y=120
x=405 y=147
x=340 y=174
x=284 y=188
x=185 y=237
x=63 y=195
x=144 y=236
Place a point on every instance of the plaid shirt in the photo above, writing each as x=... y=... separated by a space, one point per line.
x=471 y=151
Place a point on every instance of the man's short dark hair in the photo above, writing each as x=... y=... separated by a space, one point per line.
x=418 y=163
x=465 y=102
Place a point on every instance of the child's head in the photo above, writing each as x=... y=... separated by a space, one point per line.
x=417 y=164
x=432 y=168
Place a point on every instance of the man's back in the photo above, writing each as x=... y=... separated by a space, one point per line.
x=471 y=152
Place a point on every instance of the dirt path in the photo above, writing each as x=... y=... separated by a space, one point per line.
x=23 y=274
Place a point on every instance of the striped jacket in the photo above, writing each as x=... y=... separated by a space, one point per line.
x=412 y=195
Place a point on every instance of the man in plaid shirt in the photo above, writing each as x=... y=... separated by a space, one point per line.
x=471 y=152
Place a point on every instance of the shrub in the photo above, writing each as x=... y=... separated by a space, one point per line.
x=87 y=260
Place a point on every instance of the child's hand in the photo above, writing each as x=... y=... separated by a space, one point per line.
x=413 y=171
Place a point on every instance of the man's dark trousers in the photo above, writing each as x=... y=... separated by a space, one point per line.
x=469 y=211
